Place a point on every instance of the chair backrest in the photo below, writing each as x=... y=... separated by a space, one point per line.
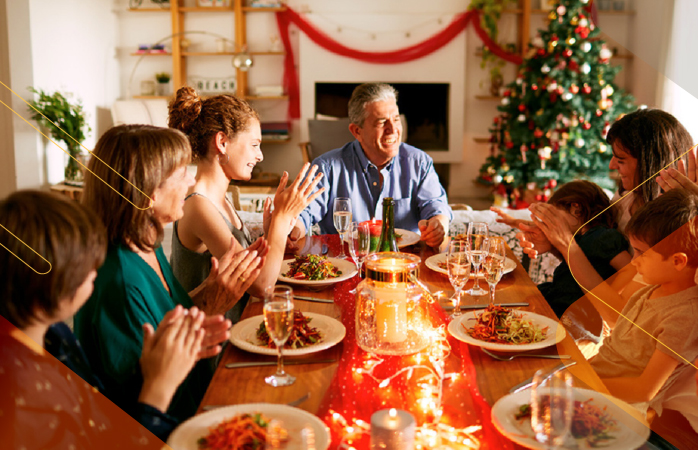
x=326 y=135
x=145 y=112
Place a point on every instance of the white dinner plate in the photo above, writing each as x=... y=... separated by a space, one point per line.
x=407 y=237
x=433 y=262
x=185 y=436
x=244 y=335
x=632 y=430
x=347 y=268
x=555 y=333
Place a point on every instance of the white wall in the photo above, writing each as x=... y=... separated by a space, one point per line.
x=67 y=46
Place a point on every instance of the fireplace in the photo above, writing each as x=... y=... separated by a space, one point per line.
x=425 y=106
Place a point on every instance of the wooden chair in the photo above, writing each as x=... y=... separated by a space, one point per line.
x=325 y=135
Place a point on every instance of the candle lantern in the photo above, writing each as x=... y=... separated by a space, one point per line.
x=390 y=310
x=392 y=430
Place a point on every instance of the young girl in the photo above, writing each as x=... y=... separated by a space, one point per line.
x=577 y=203
x=43 y=403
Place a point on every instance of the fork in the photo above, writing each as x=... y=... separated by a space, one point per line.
x=524 y=355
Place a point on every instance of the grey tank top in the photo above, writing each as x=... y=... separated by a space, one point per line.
x=191 y=268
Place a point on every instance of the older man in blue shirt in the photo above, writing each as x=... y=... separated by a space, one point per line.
x=378 y=165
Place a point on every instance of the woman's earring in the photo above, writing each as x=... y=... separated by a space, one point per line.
x=226 y=159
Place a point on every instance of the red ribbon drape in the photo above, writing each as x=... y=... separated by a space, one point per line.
x=420 y=50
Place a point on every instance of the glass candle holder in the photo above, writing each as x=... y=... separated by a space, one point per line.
x=390 y=311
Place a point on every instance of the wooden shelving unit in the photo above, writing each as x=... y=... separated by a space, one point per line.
x=488 y=97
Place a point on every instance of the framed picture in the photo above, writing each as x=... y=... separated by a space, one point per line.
x=223 y=85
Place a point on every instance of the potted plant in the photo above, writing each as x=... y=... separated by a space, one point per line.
x=65 y=122
x=163 y=79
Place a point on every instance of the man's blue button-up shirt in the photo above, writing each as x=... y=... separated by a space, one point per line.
x=409 y=178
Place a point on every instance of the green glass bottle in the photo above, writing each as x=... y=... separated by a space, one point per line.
x=388 y=241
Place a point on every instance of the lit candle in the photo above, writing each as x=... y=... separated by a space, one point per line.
x=392 y=430
x=391 y=312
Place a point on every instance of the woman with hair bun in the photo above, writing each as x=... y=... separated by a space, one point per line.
x=225 y=136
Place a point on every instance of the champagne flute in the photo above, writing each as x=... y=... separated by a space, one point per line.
x=359 y=243
x=477 y=238
x=494 y=263
x=342 y=218
x=552 y=407
x=458 y=263
x=278 y=320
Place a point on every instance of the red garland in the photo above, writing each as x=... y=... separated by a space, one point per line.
x=420 y=50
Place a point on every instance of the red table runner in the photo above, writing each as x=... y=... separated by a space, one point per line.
x=443 y=395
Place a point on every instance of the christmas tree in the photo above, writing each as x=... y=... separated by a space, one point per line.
x=555 y=115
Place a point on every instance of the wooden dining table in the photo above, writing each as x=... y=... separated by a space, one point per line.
x=494 y=378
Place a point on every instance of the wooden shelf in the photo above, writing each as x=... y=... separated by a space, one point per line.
x=152 y=97
x=488 y=97
x=150 y=54
x=266 y=97
x=255 y=9
x=207 y=9
x=208 y=53
x=267 y=53
x=276 y=141
x=148 y=9
x=481 y=140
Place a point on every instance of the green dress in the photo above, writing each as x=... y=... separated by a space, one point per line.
x=127 y=294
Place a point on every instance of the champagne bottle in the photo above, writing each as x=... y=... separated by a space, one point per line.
x=388 y=242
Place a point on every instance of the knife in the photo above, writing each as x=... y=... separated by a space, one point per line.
x=314 y=299
x=529 y=382
x=273 y=363
x=467 y=307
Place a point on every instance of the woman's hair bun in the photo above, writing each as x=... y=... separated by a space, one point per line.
x=184 y=109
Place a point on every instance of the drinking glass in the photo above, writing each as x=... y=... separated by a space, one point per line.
x=359 y=243
x=342 y=218
x=278 y=319
x=494 y=263
x=458 y=263
x=477 y=238
x=552 y=407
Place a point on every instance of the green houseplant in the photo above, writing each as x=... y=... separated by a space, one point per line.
x=163 y=79
x=65 y=122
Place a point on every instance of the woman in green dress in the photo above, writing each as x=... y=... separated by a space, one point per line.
x=136 y=184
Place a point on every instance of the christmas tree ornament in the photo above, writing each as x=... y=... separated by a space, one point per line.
x=537 y=42
x=534 y=87
x=523 y=152
x=552 y=15
x=586 y=68
x=586 y=126
x=599 y=113
x=609 y=90
x=586 y=46
x=497 y=179
x=509 y=178
x=519 y=80
x=567 y=53
x=603 y=148
x=574 y=21
x=570 y=40
x=583 y=22
x=584 y=2
x=522 y=107
x=505 y=101
x=567 y=96
x=561 y=10
x=521 y=118
x=538 y=133
x=605 y=54
x=586 y=89
x=603 y=104
x=574 y=122
x=545 y=68
x=579 y=142
x=574 y=88
x=560 y=90
x=552 y=87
